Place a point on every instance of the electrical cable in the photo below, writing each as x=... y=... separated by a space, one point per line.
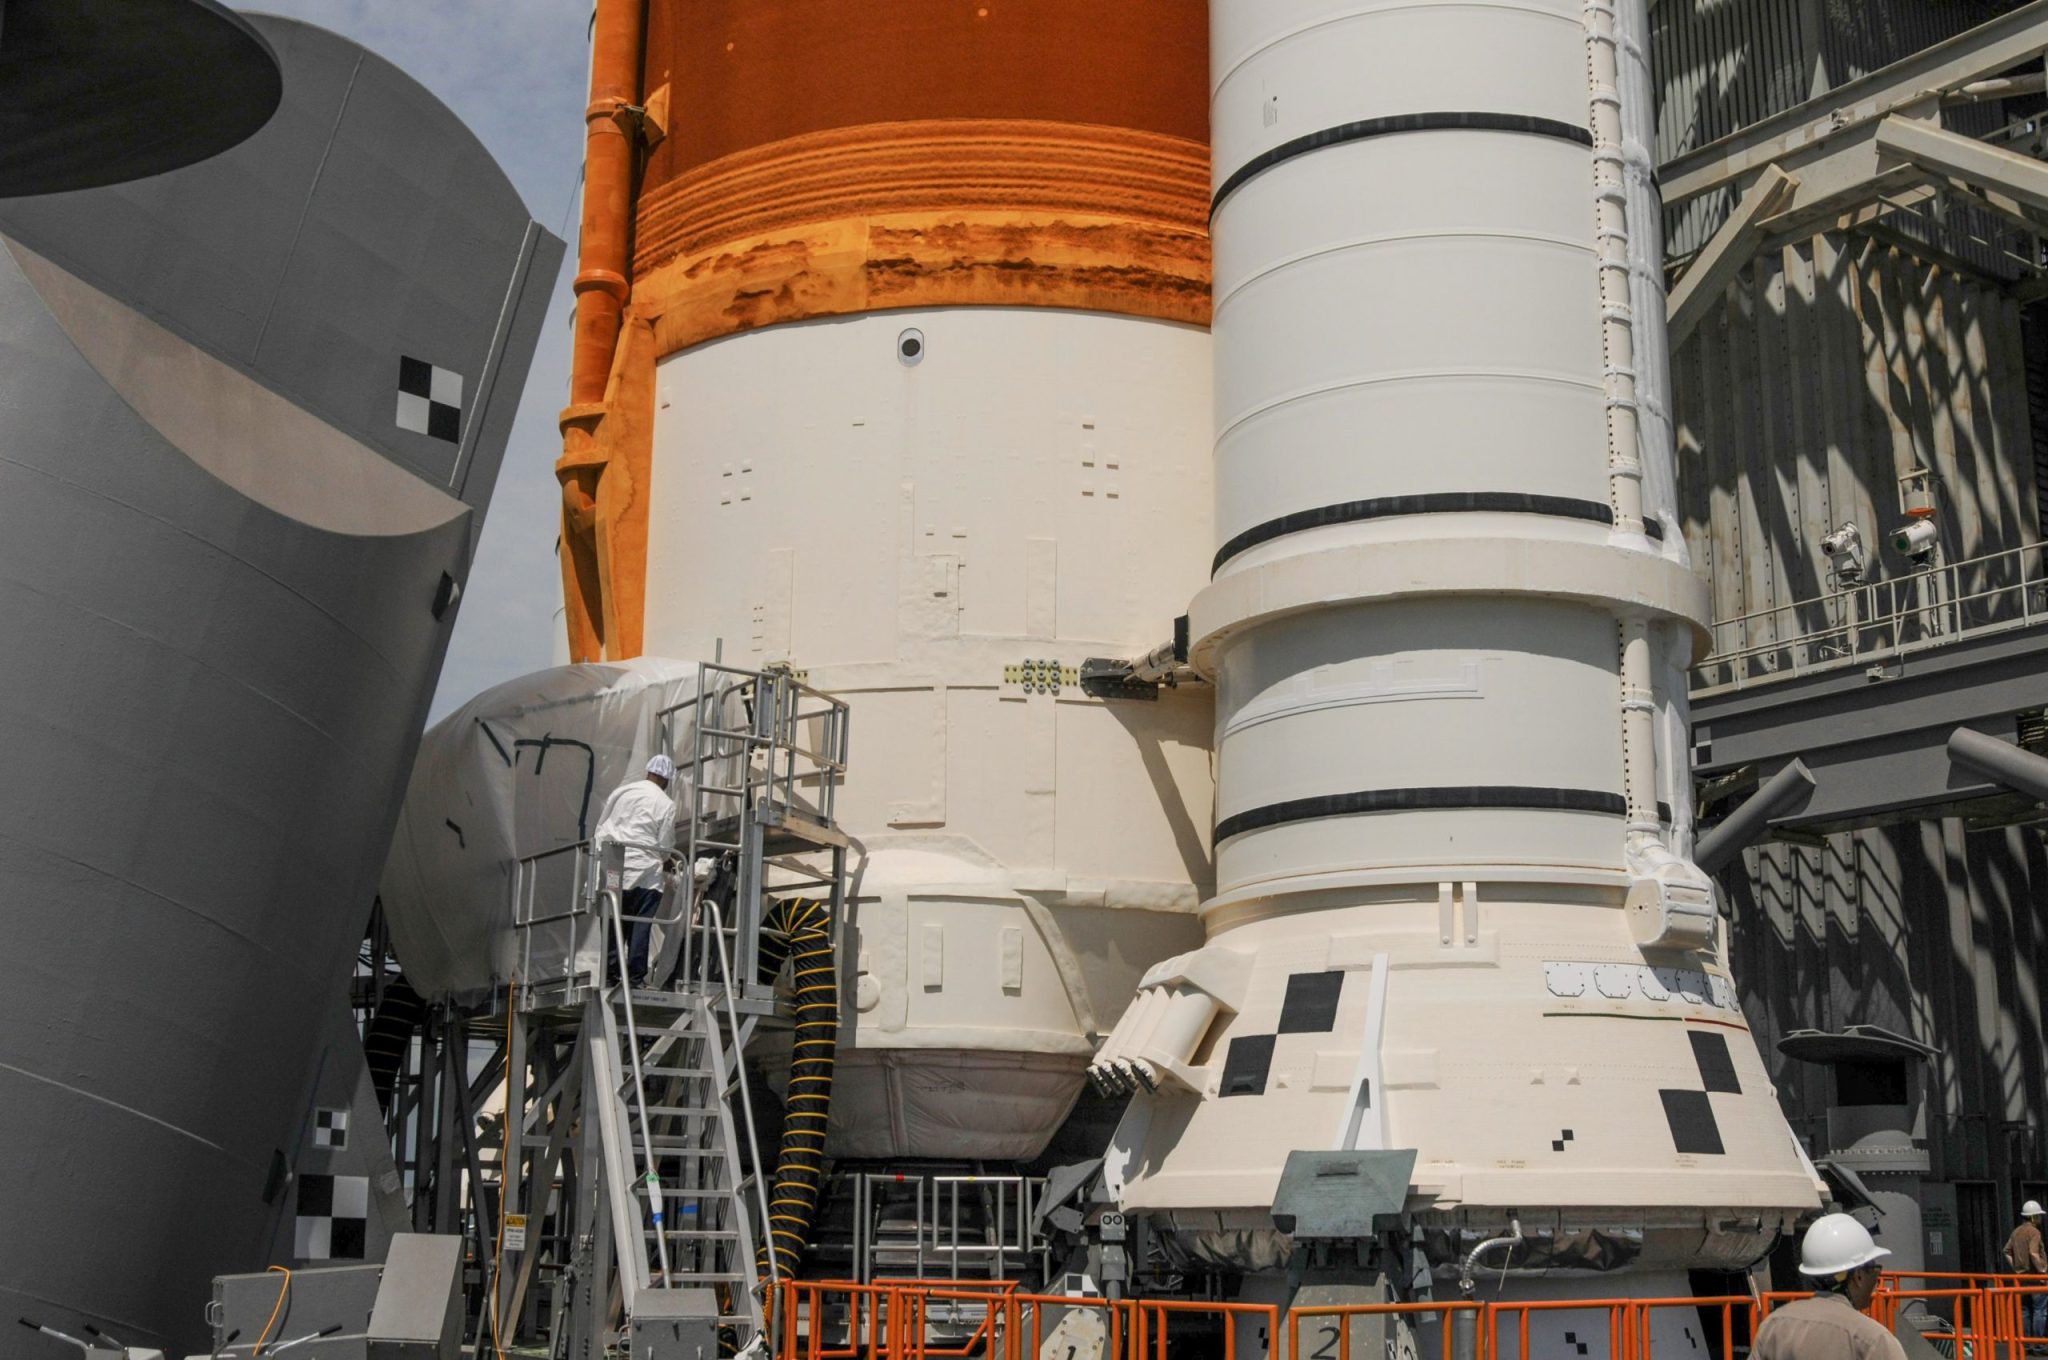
x=284 y=1288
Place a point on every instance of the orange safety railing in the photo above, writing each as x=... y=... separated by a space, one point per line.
x=1985 y=1309
x=892 y=1320
x=1518 y=1316
x=1449 y=1317
x=1007 y=1319
x=1154 y=1317
x=1728 y=1309
x=992 y=1320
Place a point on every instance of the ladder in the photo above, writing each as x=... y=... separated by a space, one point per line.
x=675 y=1166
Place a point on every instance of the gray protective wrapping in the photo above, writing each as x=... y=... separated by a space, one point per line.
x=521 y=770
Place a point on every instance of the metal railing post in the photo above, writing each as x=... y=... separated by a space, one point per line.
x=655 y=1205
x=746 y=1096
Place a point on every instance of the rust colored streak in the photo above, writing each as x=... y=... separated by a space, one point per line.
x=929 y=214
x=1032 y=169
x=764 y=71
x=939 y=260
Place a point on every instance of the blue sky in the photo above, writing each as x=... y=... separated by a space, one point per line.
x=516 y=72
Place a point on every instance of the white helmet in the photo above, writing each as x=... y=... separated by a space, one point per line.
x=1835 y=1245
x=2032 y=1209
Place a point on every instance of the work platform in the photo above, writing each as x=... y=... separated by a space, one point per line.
x=631 y=1157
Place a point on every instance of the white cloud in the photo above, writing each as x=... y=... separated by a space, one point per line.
x=517 y=72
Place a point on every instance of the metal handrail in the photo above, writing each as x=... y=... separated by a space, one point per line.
x=936 y=1237
x=1869 y=621
x=732 y=1017
x=654 y=1201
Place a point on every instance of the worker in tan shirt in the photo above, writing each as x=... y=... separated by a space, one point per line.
x=2024 y=1255
x=1842 y=1261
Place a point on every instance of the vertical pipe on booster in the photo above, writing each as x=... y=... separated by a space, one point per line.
x=1446 y=616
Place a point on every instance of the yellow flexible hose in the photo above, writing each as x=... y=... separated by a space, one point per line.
x=799 y=929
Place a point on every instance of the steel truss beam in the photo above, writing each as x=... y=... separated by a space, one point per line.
x=1913 y=87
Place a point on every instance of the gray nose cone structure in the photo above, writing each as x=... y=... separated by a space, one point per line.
x=95 y=92
x=251 y=412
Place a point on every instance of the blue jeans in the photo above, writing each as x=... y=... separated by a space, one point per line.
x=638 y=902
x=2036 y=1316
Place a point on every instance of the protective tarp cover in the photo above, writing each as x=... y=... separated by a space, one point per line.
x=518 y=772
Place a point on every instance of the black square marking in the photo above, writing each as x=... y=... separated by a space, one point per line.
x=429 y=399
x=415 y=376
x=1717 y=1067
x=1311 y=1005
x=1572 y=1339
x=1691 y=1117
x=316 y=1196
x=346 y=1239
x=1246 y=1064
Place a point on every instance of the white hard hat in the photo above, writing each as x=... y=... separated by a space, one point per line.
x=661 y=767
x=1835 y=1245
x=2032 y=1209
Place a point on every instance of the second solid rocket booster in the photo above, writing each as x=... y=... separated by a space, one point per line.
x=1448 y=625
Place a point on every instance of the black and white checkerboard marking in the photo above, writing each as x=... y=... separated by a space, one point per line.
x=1689 y=1113
x=1310 y=1008
x=330 y=1130
x=429 y=399
x=333 y=1218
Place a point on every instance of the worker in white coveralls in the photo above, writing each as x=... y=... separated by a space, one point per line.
x=641 y=817
x=1842 y=1260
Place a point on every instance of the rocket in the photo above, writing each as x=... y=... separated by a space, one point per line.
x=893 y=367
x=1449 y=623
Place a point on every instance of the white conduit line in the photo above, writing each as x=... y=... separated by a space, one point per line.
x=1638 y=732
x=1617 y=314
x=1624 y=462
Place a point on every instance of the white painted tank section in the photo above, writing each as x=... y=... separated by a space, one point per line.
x=1034 y=487
x=1319 y=402
x=1451 y=914
x=1394 y=696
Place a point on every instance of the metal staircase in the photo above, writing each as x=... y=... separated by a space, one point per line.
x=666 y=1195
x=675 y=1161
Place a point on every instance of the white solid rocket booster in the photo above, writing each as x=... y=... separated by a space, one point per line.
x=1448 y=625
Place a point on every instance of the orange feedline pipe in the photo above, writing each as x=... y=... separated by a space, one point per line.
x=601 y=288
